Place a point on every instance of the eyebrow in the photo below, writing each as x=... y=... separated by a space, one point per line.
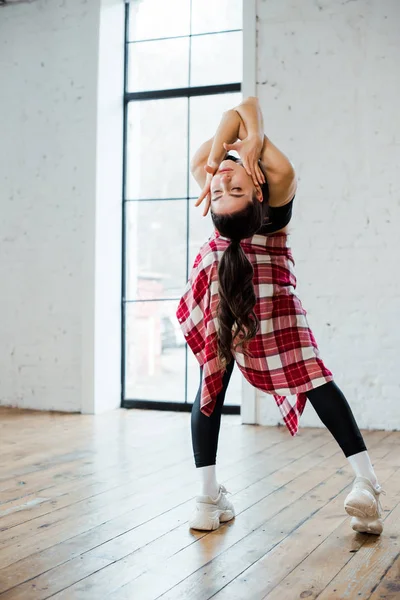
x=232 y=195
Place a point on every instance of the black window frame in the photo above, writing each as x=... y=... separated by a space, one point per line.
x=187 y=92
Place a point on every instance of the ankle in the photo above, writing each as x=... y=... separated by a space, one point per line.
x=362 y=467
x=372 y=481
x=211 y=490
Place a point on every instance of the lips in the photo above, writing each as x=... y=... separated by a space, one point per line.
x=224 y=170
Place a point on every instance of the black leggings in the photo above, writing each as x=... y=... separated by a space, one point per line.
x=328 y=401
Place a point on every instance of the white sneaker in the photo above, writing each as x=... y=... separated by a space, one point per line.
x=210 y=512
x=363 y=504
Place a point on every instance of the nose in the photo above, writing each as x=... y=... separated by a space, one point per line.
x=225 y=177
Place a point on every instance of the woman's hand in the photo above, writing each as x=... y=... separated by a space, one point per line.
x=249 y=150
x=205 y=194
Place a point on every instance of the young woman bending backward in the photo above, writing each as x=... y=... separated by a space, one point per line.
x=240 y=306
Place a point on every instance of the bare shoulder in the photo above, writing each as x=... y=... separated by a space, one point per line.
x=280 y=174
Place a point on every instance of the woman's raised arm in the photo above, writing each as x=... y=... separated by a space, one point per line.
x=209 y=156
x=277 y=167
x=212 y=152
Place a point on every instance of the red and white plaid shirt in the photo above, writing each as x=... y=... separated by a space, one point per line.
x=283 y=358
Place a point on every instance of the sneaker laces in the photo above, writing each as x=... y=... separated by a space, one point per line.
x=378 y=491
x=378 y=500
x=224 y=490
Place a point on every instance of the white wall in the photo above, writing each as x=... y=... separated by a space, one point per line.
x=329 y=83
x=53 y=202
x=104 y=303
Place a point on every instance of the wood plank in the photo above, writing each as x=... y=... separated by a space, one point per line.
x=120 y=476
x=201 y=572
x=122 y=526
x=258 y=581
x=358 y=578
x=129 y=485
x=238 y=507
x=388 y=588
x=65 y=436
x=66 y=575
x=112 y=577
x=153 y=583
x=75 y=470
x=313 y=575
x=103 y=531
x=156 y=529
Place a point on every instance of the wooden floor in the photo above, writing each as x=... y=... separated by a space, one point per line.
x=97 y=507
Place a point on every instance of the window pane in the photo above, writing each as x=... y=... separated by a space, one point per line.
x=205 y=115
x=150 y=19
x=155 y=249
x=216 y=15
x=216 y=59
x=158 y=65
x=157 y=149
x=155 y=353
x=200 y=229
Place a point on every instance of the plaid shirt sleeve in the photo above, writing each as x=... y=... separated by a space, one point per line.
x=195 y=317
x=193 y=310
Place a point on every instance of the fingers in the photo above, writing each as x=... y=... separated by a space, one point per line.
x=255 y=173
x=230 y=146
x=207 y=206
x=204 y=193
x=260 y=171
x=247 y=167
x=254 y=176
x=250 y=171
x=209 y=169
x=202 y=196
x=260 y=175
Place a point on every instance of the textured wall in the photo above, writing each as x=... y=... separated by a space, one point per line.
x=48 y=65
x=329 y=84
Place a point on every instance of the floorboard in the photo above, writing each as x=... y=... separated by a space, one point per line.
x=97 y=507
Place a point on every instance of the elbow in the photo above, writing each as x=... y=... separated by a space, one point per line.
x=288 y=171
x=231 y=112
x=197 y=164
x=194 y=165
x=251 y=100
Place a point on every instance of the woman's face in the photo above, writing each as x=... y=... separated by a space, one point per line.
x=231 y=188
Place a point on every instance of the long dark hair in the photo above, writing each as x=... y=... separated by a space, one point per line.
x=238 y=323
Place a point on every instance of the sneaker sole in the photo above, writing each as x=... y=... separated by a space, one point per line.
x=374 y=528
x=209 y=521
x=355 y=509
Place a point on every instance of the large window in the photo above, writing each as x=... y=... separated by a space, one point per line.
x=183 y=69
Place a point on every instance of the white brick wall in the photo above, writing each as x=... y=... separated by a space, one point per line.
x=49 y=62
x=329 y=84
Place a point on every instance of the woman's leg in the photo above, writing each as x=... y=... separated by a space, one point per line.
x=205 y=433
x=336 y=414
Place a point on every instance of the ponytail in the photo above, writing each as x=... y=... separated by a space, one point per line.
x=237 y=321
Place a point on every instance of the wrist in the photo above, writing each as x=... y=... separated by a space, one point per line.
x=215 y=159
x=213 y=163
x=227 y=132
x=256 y=135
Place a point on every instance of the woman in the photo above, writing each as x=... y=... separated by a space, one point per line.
x=240 y=307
